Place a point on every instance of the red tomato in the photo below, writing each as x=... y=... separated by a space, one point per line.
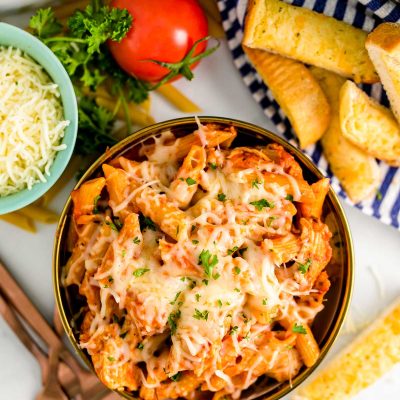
x=162 y=30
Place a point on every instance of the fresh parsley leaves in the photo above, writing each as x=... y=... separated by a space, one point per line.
x=233 y=330
x=263 y=203
x=208 y=261
x=221 y=197
x=256 y=183
x=95 y=209
x=289 y=197
x=299 y=329
x=175 y=298
x=303 y=268
x=81 y=46
x=232 y=250
x=115 y=225
x=190 y=181
x=200 y=314
x=172 y=321
x=140 y=272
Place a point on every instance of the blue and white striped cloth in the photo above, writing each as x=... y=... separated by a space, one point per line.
x=363 y=14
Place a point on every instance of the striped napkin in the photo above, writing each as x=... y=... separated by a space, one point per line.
x=363 y=14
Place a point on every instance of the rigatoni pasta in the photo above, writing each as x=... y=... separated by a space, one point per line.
x=203 y=267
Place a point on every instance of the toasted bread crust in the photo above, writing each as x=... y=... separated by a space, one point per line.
x=358 y=173
x=369 y=125
x=297 y=92
x=361 y=363
x=386 y=36
x=310 y=37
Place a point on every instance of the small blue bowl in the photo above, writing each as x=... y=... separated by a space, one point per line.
x=18 y=38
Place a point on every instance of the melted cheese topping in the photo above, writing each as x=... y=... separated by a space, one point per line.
x=214 y=295
x=31 y=122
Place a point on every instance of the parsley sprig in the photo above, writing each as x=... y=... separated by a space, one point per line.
x=303 y=268
x=208 y=261
x=297 y=328
x=263 y=203
x=200 y=314
x=81 y=47
x=173 y=320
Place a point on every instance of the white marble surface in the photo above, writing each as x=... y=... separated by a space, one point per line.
x=218 y=89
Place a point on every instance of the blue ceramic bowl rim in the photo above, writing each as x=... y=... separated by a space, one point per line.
x=10 y=35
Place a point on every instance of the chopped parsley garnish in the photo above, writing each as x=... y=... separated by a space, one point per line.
x=208 y=261
x=219 y=302
x=172 y=320
x=221 y=196
x=123 y=335
x=233 y=330
x=264 y=302
x=303 y=268
x=379 y=195
x=260 y=204
x=193 y=228
x=289 y=197
x=200 y=314
x=136 y=240
x=123 y=253
x=198 y=297
x=95 y=209
x=212 y=165
x=256 y=183
x=232 y=250
x=140 y=346
x=299 y=329
x=146 y=222
x=110 y=279
x=216 y=276
x=195 y=241
x=236 y=270
x=112 y=226
x=190 y=181
x=192 y=283
x=205 y=281
x=175 y=377
x=175 y=299
x=112 y=359
x=140 y=272
x=237 y=290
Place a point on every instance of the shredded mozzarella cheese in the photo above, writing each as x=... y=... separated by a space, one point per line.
x=31 y=122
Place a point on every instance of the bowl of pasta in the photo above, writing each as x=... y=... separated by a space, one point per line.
x=203 y=258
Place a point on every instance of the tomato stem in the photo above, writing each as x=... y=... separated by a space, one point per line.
x=183 y=67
